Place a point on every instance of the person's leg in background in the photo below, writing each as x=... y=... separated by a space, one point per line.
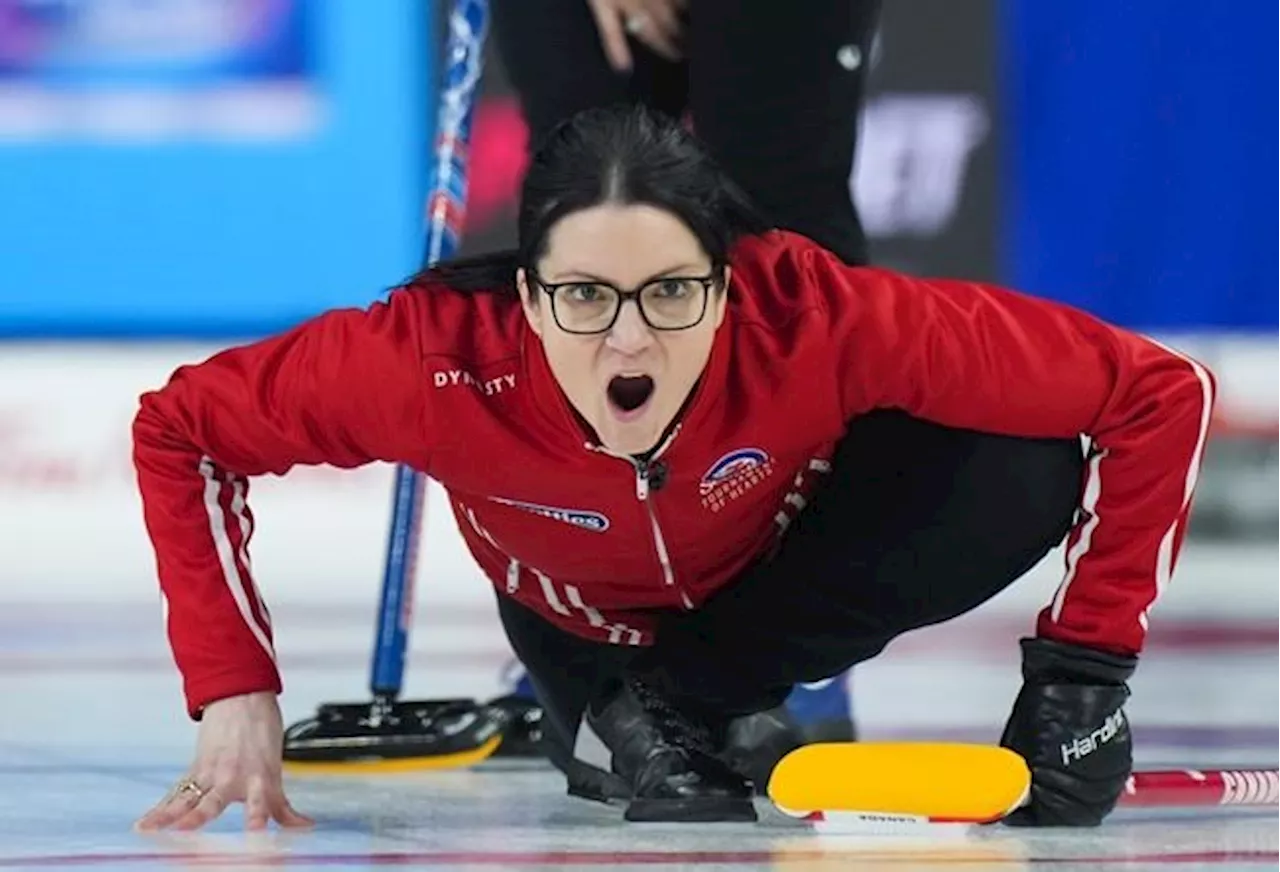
x=553 y=56
x=775 y=90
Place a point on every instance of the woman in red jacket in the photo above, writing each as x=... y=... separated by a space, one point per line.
x=700 y=461
x=805 y=66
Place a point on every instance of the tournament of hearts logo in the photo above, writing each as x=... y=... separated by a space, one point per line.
x=733 y=475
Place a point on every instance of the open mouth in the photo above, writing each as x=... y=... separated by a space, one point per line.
x=629 y=392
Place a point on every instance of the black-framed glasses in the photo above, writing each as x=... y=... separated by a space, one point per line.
x=668 y=303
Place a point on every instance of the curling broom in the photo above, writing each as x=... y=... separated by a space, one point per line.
x=386 y=734
x=850 y=785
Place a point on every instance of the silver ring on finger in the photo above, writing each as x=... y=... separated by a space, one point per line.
x=636 y=23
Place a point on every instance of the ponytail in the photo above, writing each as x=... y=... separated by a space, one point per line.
x=494 y=272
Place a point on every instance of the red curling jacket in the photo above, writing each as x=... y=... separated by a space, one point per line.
x=446 y=381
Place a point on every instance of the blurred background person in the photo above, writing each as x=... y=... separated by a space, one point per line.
x=774 y=89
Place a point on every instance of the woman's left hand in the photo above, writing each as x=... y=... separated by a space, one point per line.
x=1069 y=724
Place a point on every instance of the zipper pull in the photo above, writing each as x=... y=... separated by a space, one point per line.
x=642 y=481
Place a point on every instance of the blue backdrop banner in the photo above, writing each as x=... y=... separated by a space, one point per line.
x=72 y=44
x=228 y=167
x=1139 y=159
x=206 y=167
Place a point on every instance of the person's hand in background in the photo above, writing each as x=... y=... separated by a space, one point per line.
x=654 y=23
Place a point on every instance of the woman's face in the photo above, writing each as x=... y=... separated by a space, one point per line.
x=627 y=379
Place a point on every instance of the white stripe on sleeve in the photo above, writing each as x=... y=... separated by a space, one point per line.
x=240 y=590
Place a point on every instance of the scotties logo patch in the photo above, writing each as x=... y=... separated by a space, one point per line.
x=733 y=475
x=593 y=521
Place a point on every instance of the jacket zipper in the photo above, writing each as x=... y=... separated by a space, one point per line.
x=642 y=469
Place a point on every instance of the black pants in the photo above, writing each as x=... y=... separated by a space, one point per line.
x=774 y=89
x=916 y=524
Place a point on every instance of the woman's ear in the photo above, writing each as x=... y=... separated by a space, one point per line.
x=528 y=302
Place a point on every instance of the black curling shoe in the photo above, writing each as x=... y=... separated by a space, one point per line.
x=755 y=743
x=669 y=760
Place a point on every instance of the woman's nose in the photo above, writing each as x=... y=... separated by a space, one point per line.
x=629 y=333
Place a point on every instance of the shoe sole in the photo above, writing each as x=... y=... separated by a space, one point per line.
x=695 y=811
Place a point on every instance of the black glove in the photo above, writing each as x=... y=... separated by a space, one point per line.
x=1069 y=725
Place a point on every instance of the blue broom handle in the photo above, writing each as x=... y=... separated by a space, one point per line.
x=445 y=210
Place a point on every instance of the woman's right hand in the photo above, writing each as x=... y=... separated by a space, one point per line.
x=238 y=759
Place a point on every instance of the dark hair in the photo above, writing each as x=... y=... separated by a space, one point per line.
x=617 y=154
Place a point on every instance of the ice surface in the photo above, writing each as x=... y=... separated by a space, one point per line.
x=92 y=733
